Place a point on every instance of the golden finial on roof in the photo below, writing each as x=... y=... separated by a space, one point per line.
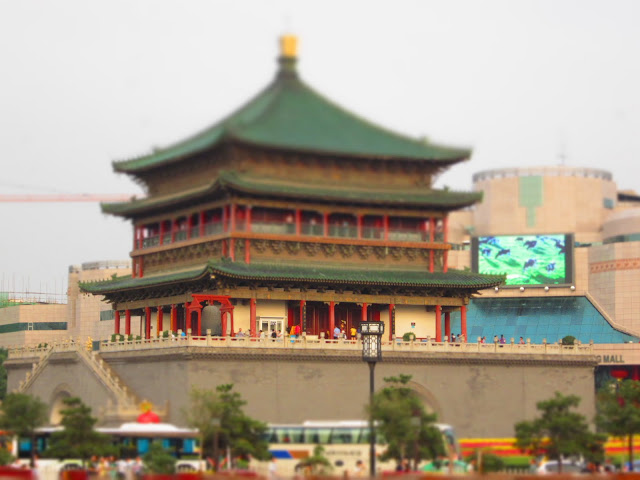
x=289 y=46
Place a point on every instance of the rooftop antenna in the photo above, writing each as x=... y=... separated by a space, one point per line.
x=562 y=152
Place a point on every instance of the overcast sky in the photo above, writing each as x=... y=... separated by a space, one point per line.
x=84 y=83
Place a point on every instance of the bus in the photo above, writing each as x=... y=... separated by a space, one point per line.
x=132 y=440
x=345 y=442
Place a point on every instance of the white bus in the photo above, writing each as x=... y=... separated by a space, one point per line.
x=345 y=442
x=131 y=439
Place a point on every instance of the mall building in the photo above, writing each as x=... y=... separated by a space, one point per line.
x=598 y=298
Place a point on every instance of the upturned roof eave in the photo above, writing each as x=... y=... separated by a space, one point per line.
x=102 y=287
x=213 y=267
x=228 y=181
x=230 y=137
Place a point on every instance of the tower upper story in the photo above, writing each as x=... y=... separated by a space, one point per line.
x=291 y=166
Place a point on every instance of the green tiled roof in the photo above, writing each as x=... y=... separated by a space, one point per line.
x=127 y=282
x=290 y=115
x=321 y=273
x=252 y=184
x=366 y=275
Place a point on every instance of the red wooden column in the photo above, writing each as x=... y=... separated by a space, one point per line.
x=127 y=322
x=332 y=319
x=173 y=317
x=252 y=317
x=359 y=220
x=147 y=322
x=232 y=241
x=325 y=223
x=199 y=313
x=432 y=229
x=232 y=329
x=223 y=320
x=392 y=321
x=447 y=325
x=302 y=303
x=247 y=242
x=463 y=322
x=438 y=323
x=298 y=221
x=187 y=318
x=364 y=312
x=116 y=329
x=159 y=326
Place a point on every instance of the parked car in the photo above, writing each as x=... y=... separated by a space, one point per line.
x=568 y=466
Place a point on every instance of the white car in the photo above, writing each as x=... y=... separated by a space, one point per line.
x=568 y=466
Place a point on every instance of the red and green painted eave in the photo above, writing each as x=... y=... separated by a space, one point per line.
x=289 y=115
x=248 y=184
x=321 y=274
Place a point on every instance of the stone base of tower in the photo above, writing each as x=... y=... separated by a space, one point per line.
x=480 y=394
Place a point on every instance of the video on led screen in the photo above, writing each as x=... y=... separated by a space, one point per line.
x=525 y=259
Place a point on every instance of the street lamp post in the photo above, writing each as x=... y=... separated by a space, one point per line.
x=371 y=353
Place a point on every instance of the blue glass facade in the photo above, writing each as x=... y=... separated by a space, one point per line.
x=537 y=318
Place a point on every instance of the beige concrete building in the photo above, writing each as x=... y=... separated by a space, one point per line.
x=32 y=323
x=602 y=299
x=31 y=320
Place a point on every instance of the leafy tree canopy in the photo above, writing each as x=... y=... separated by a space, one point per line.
x=317 y=463
x=220 y=414
x=78 y=439
x=159 y=460
x=619 y=411
x=404 y=423
x=559 y=431
x=22 y=414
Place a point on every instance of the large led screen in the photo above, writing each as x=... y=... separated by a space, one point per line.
x=525 y=259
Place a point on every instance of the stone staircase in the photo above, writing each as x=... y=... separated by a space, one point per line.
x=126 y=399
x=36 y=369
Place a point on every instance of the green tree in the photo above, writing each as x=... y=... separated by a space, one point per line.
x=222 y=423
x=485 y=462
x=405 y=425
x=317 y=462
x=22 y=414
x=5 y=457
x=619 y=411
x=159 y=460
x=559 y=431
x=78 y=439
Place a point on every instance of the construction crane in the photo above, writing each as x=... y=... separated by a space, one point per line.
x=67 y=197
